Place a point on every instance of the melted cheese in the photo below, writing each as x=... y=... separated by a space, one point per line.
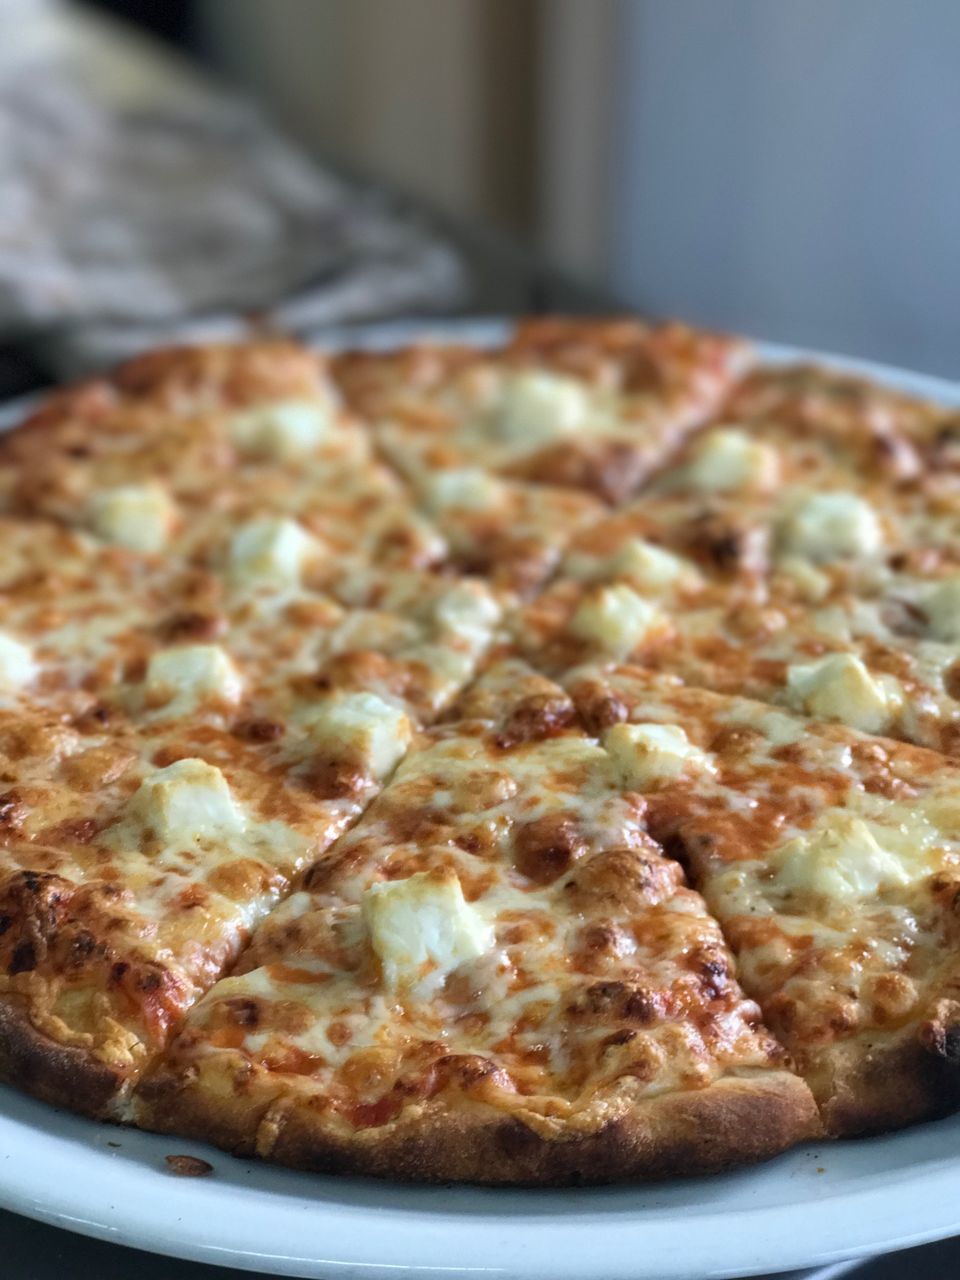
x=942 y=607
x=271 y=551
x=616 y=619
x=832 y=526
x=538 y=407
x=192 y=674
x=138 y=517
x=187 y=802
x=727 y=460
x=839 y=687
x=843 y=861
x=17 y=665
x=644 y=754
x=467 y=489
x=285 y=429
x=651 y=568
x=422 y=928
x=362 y=727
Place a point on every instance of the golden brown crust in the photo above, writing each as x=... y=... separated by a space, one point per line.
x=64 y=1075
x=732 y=1122
x=874 y=1087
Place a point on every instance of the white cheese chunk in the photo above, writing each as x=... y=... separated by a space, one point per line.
x=650 y=567
x=537 y=407
x=832 y=526
x=284 y=430
x=271 y=551
x=191 y=674
x=942 y=607
x=644 y=754
x=17 y=665
x=422 y=928
x=842 y=861
x=187 y=803
x=839 y=687
x=361 y=727
x=468 y=612
x=466 y=489
x=138 y=517
x=809 y=582
x=616 y=619
x=728 y=460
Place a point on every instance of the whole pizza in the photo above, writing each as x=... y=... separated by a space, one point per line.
x=532 y=765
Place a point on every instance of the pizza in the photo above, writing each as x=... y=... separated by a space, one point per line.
x=832 y=862
x=530 y=765
x=497 y=976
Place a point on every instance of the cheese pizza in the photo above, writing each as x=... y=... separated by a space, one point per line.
x=524 y=765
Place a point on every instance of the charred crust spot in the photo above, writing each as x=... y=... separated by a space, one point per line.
x=547 y=847
x=259 y=730
x=24 y=958
x=621 y=1001
x=150 y=982
x=537 y=717
x=5 y=923
x=244 y=1012
x=334 y=780
x=93 y=719
x=119 y=971
x=192 y=625
x=603 y=711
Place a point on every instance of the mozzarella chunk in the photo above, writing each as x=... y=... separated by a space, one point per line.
x=271 y=551
x=192 y=673
x=537 y=407
x=17 y=665
x=810 y=583
x=842 y=861
x=839 y=687
x=469 y=613
x=284 y=430
x=616 y=619
x=831 y=526
x=468 y=489
x=138 y=517
x=652 y=568
x=644 y=754
x=362 y=727
x=422 y=928
x=727 y=460
x=942 y=607
x=186 y=803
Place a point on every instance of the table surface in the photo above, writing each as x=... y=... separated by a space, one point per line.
x=32 y=1251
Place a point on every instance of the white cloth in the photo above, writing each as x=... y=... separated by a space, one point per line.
x=127 y=224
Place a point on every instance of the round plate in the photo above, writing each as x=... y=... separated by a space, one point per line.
x=812 y=1205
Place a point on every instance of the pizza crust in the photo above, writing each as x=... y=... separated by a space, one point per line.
x=866 y=1088
x=735 y=1121
x=64 y=1075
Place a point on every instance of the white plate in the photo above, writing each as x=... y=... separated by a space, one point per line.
x=813 y=1205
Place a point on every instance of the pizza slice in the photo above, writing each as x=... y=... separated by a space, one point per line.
x=495 y=976
x=172 y=474
x=593 y=405
x=841 y=419
x=886 y=662
x=831 y=860
x=176 y=748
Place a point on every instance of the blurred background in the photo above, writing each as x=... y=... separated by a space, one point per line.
x=789 y=170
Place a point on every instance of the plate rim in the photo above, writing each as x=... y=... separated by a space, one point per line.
x=545 y=1245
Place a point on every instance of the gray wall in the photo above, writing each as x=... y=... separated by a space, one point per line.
x=791 y=168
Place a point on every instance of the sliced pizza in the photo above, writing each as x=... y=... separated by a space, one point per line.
x=831 y=860
x=588 y=404
x=495 y=976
